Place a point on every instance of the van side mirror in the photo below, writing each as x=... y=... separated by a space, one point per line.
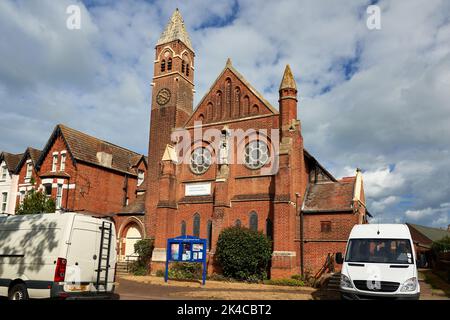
x=339 y=258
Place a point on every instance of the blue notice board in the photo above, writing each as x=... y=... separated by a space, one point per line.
x=186 y=249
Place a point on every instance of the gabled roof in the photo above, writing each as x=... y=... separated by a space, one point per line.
x=229 y=66
x=434 y=234
x=175 y=30
x=33 y=154
x=11 y=160
x=330 y=196
x=314 y=160
x=83 y=147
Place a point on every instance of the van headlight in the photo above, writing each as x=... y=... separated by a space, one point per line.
x=346 y=282
x=409 y=285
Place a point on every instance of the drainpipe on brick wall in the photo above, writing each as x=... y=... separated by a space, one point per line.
x=300 y=212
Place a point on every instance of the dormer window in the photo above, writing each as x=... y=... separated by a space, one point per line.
x=163 y=65
x=29 y=170
x=169 y=64
x=4 y=170
x=63 y=161
x=141 y=175
x=55 y=162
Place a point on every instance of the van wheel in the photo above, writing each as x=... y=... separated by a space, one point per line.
x=18 y=292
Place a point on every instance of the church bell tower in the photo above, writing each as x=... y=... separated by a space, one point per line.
x=172 y=101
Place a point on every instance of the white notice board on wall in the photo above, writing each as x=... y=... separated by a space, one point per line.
x=197 y=189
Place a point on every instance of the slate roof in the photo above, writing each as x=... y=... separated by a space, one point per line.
x=330 y=196
x=83 y=147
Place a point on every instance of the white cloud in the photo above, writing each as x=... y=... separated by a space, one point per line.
x=388 y=116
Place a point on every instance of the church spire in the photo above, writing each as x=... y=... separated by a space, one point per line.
x=175 y=30
x=288 y=81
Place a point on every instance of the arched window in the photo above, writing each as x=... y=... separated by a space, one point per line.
x=209 y=111
x=238 y=223
x=196 y=226
x=183 y=228
x=237 y=102
x=163 y=65
x=219 y=105
x=183 y=66
x=269 y=229
x=246 y=110
x=253 y=221
x=169 y=64
x=209 y=231
x=187 y=69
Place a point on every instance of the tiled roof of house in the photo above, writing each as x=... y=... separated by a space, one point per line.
x=330 y=196
x=34 y=155
x=135 y=207
x=12 y=160
x=434 y=234
x=83 y=147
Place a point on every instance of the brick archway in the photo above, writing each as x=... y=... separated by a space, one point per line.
x=130 y=232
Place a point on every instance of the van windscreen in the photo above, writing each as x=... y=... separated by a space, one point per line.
x=379 y=251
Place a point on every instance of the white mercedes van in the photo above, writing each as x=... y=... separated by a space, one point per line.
x=57 y=255
x=380 y=262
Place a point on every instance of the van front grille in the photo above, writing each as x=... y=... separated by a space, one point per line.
x=376 y=286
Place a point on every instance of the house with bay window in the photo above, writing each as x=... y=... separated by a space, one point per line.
x=86 y=174
x=28 y=177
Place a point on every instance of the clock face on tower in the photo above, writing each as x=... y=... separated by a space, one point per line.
x=163 y=96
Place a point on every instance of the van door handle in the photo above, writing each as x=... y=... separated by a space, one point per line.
x=398 y=266
x=356 y=264
x=94 y=257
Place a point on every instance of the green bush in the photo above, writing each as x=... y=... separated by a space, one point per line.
x=144 y=249
x=285 y=282
x=159 y=273
x=243 y=254
x=185 y=271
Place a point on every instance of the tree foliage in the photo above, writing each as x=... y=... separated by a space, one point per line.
x=442 y=245
x=36 y=202
x=243 y=254
x=144 y=249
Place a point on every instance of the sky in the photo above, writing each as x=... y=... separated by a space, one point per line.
x=378 y=99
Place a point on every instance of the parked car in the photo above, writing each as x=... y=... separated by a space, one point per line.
x=380 y=262
x=57 y=255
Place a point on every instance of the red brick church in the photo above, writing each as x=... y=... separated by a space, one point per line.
x=242 y=163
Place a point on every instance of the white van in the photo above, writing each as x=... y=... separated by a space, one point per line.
x=57 y=255
x=380 y=262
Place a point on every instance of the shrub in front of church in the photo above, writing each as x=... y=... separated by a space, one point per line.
x=185 y=271
x=243 y=254
x=144 y=249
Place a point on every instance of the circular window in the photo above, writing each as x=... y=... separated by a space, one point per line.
x=200 y=160
x=256 y=154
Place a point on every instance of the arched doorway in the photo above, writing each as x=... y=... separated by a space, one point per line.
x=130 y=236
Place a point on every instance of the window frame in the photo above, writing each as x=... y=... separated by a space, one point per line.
x=4 y=202
x=59 y=196
x=62 y=164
